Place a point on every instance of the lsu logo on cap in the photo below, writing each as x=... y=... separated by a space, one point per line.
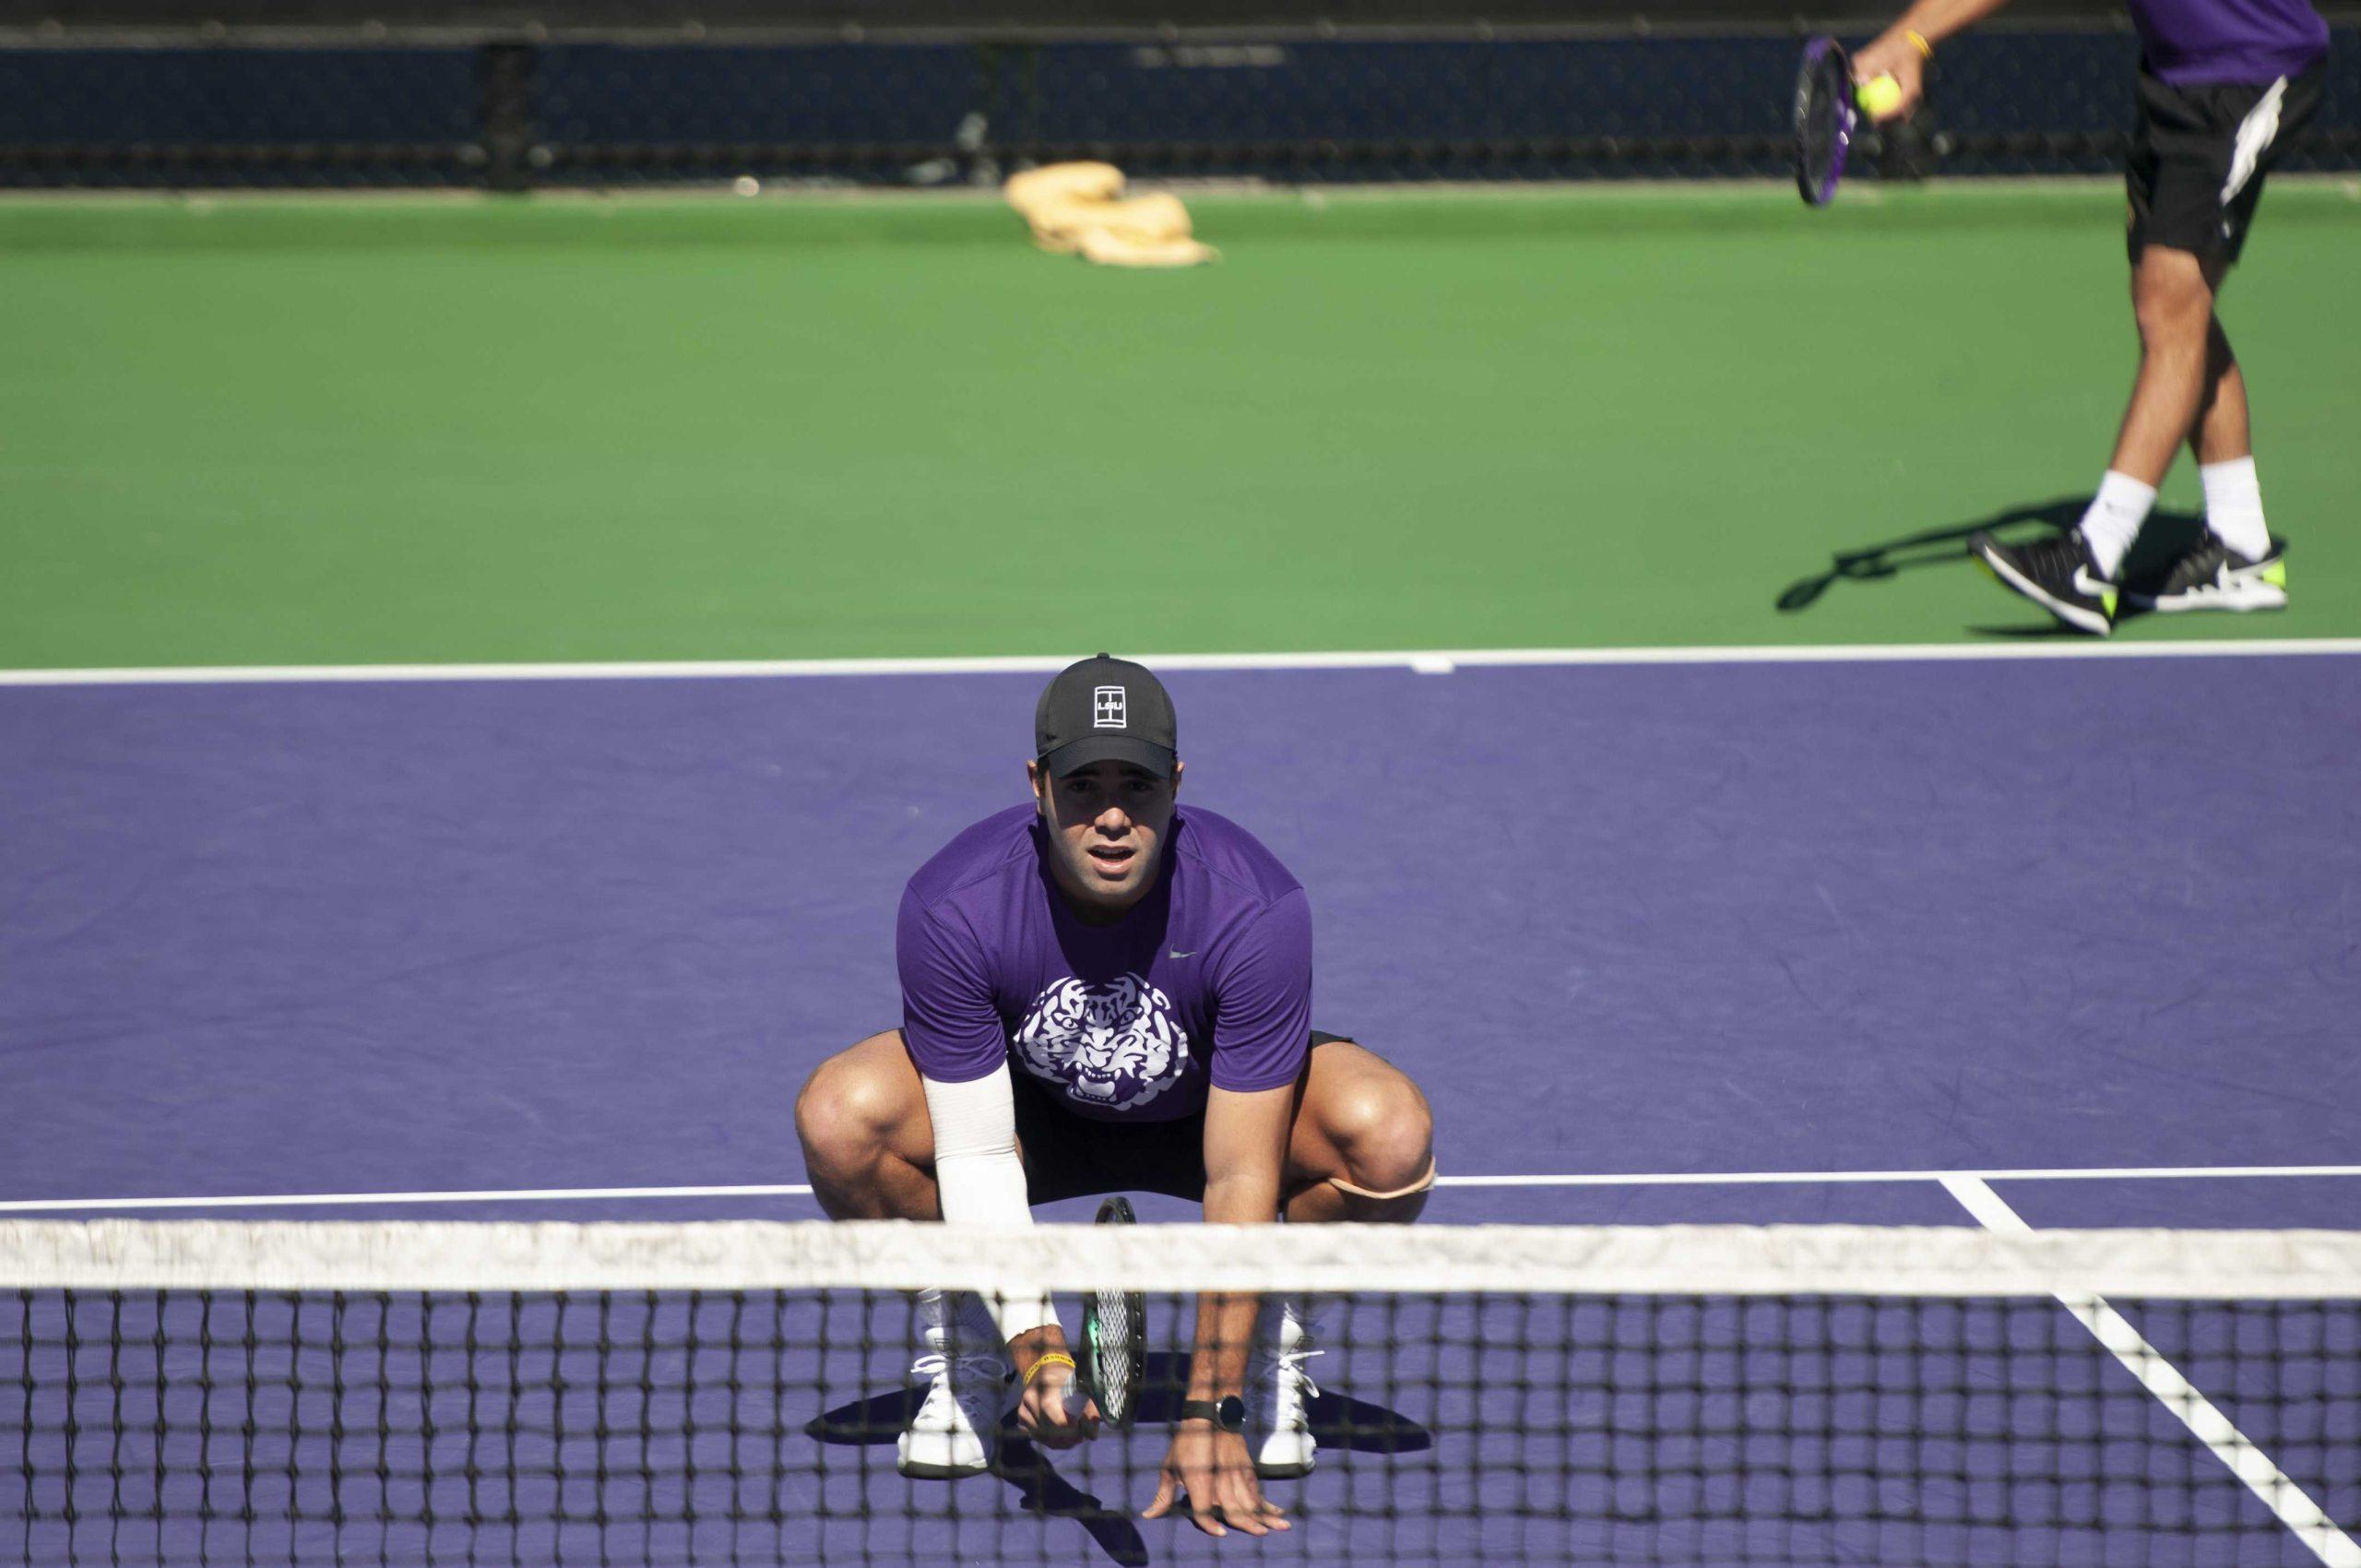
x=1107 y=708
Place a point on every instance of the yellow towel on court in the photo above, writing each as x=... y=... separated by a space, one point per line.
x=1080 y=209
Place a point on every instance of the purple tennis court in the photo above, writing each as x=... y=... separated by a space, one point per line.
x=1746 y=942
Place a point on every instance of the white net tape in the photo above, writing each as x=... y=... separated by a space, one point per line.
x=754 y=1255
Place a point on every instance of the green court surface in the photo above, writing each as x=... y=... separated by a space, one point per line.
x=289 y=430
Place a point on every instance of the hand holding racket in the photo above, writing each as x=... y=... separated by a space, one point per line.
x=1056 y=1409
x=1105 y=1385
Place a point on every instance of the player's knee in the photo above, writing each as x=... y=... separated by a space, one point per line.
x=1386 y=1132
x=2170 y=297
x=842 y=1116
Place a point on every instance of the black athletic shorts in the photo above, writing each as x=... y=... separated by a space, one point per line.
x=1071 y=1157
x=2199 y=155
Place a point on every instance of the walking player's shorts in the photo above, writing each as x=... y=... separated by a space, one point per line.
x=2199 y=155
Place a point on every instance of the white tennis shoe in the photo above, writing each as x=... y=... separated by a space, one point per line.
x=956 y=1430
x=2211 y=576
x=1279 y=1393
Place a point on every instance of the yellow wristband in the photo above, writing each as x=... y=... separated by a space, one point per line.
x=1049 y=1359
x=1926 y=50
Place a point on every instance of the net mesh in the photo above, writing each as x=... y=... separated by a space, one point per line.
x=413 y=1394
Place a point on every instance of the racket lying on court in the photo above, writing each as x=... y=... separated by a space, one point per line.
x=1114 y=1363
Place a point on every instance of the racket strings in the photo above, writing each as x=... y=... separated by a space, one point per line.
x=1824 y=120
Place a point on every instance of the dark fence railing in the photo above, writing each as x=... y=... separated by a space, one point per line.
x=960 y=16
x=149 y=102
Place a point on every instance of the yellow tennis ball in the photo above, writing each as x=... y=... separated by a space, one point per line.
x=1879 y=97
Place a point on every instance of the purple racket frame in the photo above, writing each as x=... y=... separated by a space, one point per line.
x=1817 y=191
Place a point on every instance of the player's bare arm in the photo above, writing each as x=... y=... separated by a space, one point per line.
x=1210 y=1464
x=1903 y=50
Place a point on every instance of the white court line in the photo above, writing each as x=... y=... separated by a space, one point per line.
x=2293 y=1506
x=1424 y=662
x=1843 y=1178
x=789 y=1190
x=335 y=1200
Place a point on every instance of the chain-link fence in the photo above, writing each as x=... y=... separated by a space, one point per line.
x=154 y=99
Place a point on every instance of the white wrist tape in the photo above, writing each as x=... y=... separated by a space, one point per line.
x=979 y=1175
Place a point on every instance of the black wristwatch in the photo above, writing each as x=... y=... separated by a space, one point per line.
x=1228 y=1412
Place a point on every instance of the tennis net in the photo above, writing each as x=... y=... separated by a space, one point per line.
x=324 y=1392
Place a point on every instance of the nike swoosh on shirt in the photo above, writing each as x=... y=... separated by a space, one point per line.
x=1176 y=953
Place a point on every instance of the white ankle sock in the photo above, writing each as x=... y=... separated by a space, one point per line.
x=2234 y=506
x=2114 y=518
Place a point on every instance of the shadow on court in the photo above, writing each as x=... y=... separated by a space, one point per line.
x=2165 y=537
x=1338 y=1422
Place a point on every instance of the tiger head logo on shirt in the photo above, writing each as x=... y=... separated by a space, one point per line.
x=1115 y=1045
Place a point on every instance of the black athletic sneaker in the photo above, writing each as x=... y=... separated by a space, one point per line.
x=2211 y=576
x=2057 y=574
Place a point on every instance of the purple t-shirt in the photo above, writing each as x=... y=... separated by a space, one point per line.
x=1205 y=981
x=2191 y=43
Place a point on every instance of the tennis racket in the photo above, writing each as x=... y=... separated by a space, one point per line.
x=1825 y=115
x=1114 y=1339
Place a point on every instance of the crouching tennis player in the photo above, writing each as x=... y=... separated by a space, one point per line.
x=1104 y=991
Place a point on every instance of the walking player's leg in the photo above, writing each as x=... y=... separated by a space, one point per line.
x=2236 y=566
x=2195 y=174
x=2172 y=300
x=2223 y=432
x=2223 y=445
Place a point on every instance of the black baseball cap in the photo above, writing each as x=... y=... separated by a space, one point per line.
x=1104 y=709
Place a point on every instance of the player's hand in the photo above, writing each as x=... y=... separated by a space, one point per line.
x=1053 y=1411
x=1894 y=55
x=1210 y=1471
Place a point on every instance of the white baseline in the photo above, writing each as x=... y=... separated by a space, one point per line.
x=1429 y=661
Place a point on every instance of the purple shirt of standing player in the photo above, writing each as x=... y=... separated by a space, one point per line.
x=2192 y=42
x=1206 y=981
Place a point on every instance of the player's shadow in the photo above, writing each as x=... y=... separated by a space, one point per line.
x=1040 y=1488
x=1338 y=1422
x=2167 y=535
